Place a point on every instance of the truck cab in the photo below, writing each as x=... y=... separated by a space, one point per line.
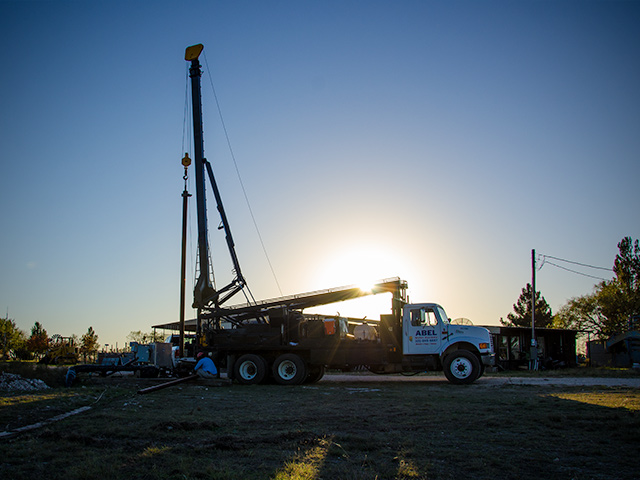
x=463 y=351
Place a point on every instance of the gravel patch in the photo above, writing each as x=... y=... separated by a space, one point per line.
x=15 y=383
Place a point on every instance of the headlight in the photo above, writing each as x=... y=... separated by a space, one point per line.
x=483 y=346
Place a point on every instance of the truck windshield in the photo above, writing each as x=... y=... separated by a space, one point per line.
x=443 y=315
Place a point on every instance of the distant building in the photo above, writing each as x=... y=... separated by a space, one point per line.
x=556 y=347
x=621 y=351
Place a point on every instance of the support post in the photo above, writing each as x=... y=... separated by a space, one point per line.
x=186 y=161
x=533 y=360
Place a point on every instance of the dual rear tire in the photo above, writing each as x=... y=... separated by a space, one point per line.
x=250 y=369
x=287 y=369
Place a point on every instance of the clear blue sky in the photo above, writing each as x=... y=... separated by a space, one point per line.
x=435 y=141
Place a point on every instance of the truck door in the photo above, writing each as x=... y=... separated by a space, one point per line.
x=422 y=330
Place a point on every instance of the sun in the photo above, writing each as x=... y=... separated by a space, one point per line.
x=363 y=266
x=366 y=286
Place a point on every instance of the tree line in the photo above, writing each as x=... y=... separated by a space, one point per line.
x=612 y=308
x=16 y=345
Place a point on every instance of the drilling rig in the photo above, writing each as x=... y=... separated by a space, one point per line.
x=275 y=340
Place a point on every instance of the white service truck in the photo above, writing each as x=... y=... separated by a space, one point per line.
x=277 y=340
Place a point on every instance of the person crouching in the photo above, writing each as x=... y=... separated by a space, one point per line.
x=205 y=366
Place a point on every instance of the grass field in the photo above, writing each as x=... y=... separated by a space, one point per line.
x=330 y=430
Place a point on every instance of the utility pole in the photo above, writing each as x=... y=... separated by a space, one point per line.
x=533 y=361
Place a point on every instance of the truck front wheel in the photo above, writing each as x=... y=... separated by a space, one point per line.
x=461 y=367
x=289 y=369
x=250 y=369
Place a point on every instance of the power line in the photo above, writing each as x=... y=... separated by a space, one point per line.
x=575 y=263
x=574 y=271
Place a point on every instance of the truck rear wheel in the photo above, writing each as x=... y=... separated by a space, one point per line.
x=250 y=369
x=289 y=369
x=461 y=367
x=316 y=372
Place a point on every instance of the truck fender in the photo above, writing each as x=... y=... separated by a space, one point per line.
x=460 y=344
